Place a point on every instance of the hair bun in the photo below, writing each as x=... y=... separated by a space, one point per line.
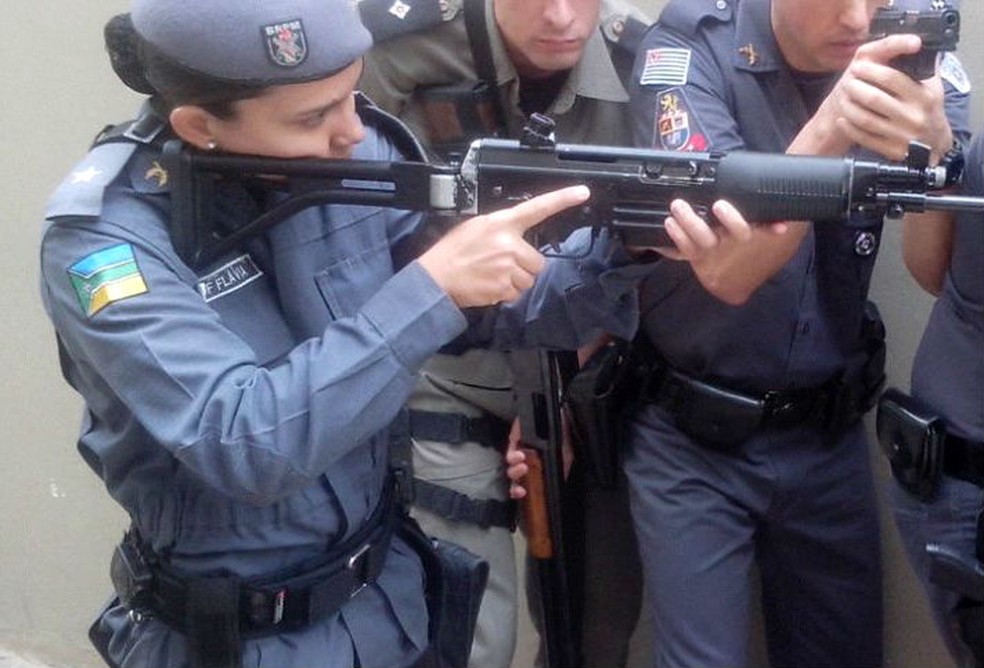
x=121 y=44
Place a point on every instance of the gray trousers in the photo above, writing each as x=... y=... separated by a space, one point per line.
x=950 y=520
x=800 y=510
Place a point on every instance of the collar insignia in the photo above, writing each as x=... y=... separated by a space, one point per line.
x=157 y=173
x=751 y=55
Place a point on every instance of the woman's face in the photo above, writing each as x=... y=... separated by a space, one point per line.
x=316 y=119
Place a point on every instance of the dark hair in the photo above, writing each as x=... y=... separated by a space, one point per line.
x=146 y=70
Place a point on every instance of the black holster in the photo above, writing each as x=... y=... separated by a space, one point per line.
x=456 y=581
x=911 y=435
x=599 y=399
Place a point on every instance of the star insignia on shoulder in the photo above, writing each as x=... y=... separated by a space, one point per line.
x=85 y=175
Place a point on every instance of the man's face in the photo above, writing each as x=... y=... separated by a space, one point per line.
x=306 y=120
x=544 y=37
x=821 y=35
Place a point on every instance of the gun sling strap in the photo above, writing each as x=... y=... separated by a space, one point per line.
x=478 y=39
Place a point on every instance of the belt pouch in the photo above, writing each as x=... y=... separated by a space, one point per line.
x=713 y=415
x=213 y=622
x=456 y=581
x=597 y=401
x=911 y=435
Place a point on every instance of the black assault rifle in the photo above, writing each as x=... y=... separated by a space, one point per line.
x=631 y=189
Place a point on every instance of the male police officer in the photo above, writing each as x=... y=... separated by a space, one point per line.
x=935 y=439
x=750 y=447
x=454 y=73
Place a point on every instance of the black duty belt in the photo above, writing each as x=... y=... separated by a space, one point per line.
x=264 y=605
x=716 y=415
x=964 y=459
x=486 y=430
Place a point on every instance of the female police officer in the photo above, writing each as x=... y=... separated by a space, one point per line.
x=238 y=411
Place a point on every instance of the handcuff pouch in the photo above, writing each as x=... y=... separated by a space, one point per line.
x=911 y=435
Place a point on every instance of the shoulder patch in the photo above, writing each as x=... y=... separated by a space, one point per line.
x=665 y=66
x=952 y=71
x=106 y=276
x=677 y=127
x=387 y=19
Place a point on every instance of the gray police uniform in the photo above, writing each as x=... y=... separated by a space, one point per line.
x=948 y=375
x=795 y=494
x=414 y=53
x=239 y=413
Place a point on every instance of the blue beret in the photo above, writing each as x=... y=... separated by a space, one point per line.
x=263 y=42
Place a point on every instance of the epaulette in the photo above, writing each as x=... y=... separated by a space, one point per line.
x=623 y=25
x=685 y=16
x=387 y=19
x=81 y=193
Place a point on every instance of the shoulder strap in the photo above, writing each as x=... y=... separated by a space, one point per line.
x=478 y=39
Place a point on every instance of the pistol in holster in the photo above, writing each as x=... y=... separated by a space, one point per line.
x=456 y=580
x=598 y=400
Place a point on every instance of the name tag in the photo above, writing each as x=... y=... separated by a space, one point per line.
x=228 y=278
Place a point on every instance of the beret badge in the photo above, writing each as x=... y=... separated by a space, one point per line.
x=285 y=42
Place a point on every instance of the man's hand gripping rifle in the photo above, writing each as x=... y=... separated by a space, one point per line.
x=631 y=189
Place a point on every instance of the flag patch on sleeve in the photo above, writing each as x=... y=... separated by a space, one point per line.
x=106 y=276
x=666 y=66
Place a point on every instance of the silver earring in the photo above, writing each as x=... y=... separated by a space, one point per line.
x=211 y=145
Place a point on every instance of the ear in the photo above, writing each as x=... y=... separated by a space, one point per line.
x=194 y=125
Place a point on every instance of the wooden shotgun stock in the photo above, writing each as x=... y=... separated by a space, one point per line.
x=536 y=520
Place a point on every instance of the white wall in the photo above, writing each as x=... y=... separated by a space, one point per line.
x=57 y=524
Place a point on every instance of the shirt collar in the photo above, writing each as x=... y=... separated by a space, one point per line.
x=593 y=77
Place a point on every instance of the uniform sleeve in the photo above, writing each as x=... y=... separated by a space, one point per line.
x=143 y=347
x=395 y=69
x=678 y=96
x=590 y=291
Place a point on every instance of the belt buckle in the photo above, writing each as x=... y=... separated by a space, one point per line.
x=784 y=409
x=358 y=565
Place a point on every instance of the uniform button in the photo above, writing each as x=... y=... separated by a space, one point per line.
x=865 y=244
x=721 y=4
